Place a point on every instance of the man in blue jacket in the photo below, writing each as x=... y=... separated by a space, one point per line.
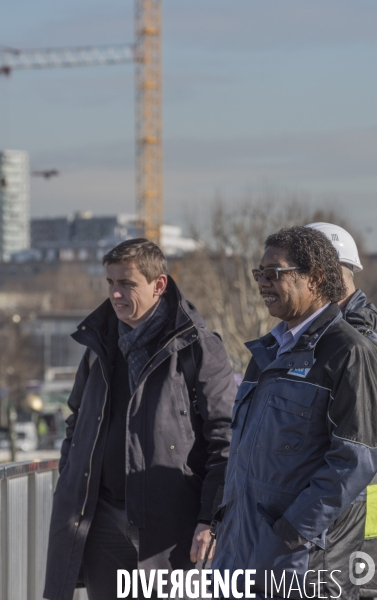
x=304 y=442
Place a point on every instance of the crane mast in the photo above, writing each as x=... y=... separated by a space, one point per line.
x=148 y=89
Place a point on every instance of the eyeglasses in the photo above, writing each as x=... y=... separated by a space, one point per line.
x=271 y=273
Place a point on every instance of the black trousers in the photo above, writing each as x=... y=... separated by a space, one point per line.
x=112 y=544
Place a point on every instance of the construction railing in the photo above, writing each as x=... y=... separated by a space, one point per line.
x=26 y=491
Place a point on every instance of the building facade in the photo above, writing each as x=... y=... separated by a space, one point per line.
x=86 y=237
x=14 y=203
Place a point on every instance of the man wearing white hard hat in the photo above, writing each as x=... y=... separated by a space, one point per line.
x=363 y=317
x=356 y=310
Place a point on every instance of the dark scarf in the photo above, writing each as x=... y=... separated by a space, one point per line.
x=134 y=343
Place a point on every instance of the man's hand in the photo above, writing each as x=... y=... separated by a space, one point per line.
x=200 y=542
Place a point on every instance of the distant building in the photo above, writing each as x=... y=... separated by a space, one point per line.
x=52 y=331
x=85 y=237
x=87 y=228
x=173 y=243
x=14 y=203
x=80 y=237
x=45 y=232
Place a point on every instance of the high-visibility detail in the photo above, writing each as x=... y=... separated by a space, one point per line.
x=371 y=518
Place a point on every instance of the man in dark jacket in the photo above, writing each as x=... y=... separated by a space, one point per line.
x=355 y=308
x=140 y=471
x=304 y=442
x=363 y=317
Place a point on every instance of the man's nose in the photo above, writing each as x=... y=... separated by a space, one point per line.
x=116 y=293
x=264 y=282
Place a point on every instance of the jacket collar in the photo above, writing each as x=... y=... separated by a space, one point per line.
x=99 y=330
x=264 y=349
x=182 y=311
x=313 y=334
x=357 y=300
x=359 y=313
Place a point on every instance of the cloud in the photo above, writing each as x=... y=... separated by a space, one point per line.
x=260 y=25
x=69 y=23
x=221 y=25
x=116 y=155
x=104 y=86
x=325 y=156
x=101 y=190
x=336 y=168
x=327 y=162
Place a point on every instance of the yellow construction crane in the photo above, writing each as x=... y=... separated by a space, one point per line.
x=148 y=84
x=146 y=54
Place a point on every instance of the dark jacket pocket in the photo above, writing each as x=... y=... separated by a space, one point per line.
x=285 y=423
x=271 y=515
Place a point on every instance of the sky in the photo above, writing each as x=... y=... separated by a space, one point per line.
x=258 y=95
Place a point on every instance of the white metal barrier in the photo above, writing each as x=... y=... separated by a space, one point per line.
x=25 y=507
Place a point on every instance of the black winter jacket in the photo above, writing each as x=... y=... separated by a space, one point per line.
x=175 y=460
x=363 y=316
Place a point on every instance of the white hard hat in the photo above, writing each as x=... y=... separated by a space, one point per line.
x=343 y=243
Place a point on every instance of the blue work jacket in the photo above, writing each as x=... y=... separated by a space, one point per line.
x=304 y=445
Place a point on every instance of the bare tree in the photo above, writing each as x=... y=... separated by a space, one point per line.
x=218 y=276
x=18 y=361
x=18 y=365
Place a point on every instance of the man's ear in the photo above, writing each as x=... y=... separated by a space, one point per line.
x=315 y=279
x=160 y=285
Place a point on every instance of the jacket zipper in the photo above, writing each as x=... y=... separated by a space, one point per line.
x=95 y=441
x=104 y=405
x=149 y=361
